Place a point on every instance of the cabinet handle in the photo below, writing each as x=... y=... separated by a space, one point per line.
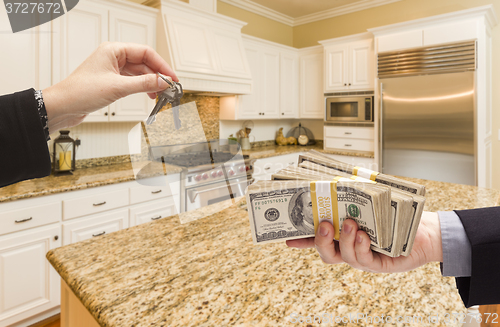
x=155 y=192
x=23 y=220
x=267 y=168
x=347 y=144
x=105 y=114
x=99 y=204
x=349 y=84
x=263 y=113
x=112 y=114
x=347 y=133
x=291 y=163
x=56 y=237
x=345 y=84
x=156 y=218
x=283 y=113
x=95 y=235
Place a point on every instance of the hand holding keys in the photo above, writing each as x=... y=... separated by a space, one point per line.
x=172 y=95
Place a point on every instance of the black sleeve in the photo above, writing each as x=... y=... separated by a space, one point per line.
x=483 y=230
x=23 y=147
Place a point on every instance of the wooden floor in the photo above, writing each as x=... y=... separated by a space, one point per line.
x=54 y=321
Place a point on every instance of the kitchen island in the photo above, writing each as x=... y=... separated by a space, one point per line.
x=208 y=273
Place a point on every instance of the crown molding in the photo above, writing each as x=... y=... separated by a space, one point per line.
x=258 y=9
x=342 y=10
x=261 y=10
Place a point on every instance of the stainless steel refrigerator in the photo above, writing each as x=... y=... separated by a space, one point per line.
x=428 y=127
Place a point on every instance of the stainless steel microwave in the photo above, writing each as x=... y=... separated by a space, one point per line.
x=356 y=108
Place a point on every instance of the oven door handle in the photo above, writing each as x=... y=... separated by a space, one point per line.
x=192 y=194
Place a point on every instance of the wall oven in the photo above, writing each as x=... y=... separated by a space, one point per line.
x=349 y=107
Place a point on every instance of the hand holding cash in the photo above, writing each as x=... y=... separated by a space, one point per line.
x=350 y=211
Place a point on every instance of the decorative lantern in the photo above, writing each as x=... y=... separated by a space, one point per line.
x=64 y=153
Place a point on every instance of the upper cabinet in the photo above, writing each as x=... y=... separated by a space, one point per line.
x=78 y=33
x=204 y=48
x=349 y=63
x=311 y=98
x=275 y=77
x=25 y=60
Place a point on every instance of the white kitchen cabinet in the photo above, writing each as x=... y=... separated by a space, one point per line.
x=400 y=40
x=78 y=33
x=349 y=138
x=311 y=97
x=28 y=283
x=349 y=63
x=275 y=79
x=289 y=84
x=94 y=226
x=151 y=211
x=25 y=59
x=264 y=168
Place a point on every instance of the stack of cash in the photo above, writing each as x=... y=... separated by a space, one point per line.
x=291 y=206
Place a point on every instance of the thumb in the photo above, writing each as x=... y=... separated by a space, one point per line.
x=150 y=83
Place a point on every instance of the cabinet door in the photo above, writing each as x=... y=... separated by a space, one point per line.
x=289 y=85
x=249 y=106
x=25 y=57
x=94 y=226
x=271 y=89
x=336 y=63
x=151 y=211
x=312 y=101
x=28 y=283
x=231 y=53
x=125 y=26
x=361 y=65
x=76 y=35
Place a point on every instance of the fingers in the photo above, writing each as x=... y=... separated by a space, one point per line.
x=347 y=239
x=142 y=54
x=303 y=243
x=364 y=255
x=136 y=69
x=325 y=245
x=149 y=83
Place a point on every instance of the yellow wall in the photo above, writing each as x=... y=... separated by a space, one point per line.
x=258 y=26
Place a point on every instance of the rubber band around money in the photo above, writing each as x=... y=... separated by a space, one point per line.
x=325 y=204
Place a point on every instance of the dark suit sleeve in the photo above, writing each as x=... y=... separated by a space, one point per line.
x=23 y=147
x=483 y=230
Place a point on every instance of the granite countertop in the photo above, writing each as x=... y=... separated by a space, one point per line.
x=208 y=273
x=84 y=178
x=278 y=150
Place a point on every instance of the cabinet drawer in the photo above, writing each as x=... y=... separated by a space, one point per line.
x=152 y=211
x=143 y=193
x=273 y=164
x=348 y=144
x=349 y=132
x=21 y=219
x=94 y=226
x=101 y=201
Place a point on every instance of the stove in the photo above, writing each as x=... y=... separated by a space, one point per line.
x=213 y=173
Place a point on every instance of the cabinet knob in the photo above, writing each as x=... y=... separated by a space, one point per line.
x=112 y=114
x=263 y=113
x=56 y=237
x=105 y=114
x=282 y=113
x=345 y=84
x=349 y=85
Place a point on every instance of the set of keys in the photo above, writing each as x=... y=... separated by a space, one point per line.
x=172 y=95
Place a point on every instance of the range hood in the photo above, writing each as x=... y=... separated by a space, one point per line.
x=204 y=48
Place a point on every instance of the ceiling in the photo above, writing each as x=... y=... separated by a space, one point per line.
x=298 y=8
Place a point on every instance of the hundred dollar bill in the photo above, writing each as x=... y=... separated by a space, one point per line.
x=407 y=208
x=321 y=159
x=283 y=210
